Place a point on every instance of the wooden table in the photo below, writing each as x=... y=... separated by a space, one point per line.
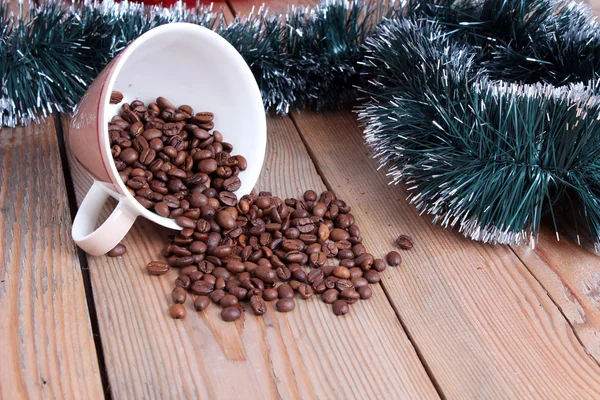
x=458 y=319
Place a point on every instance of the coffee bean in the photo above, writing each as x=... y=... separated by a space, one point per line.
x=365 y=292
x=312 y=248
x=225 y=220
x=117 y=251
x=315 y=275
x=359 y=282
x=283 y=273
x=177 y=311
x=201 y=303
x=220 y=272
x=354 y=231
x=295 y=284
x=299 y=275
x=239 y=292
x=379 y=265
x=231 y=313
x=178 y=295
x=340 y=307
x=330 y=296
x=294 y=257
x=319 y=286
x=292 y=245
x=157 y=268
x=185 y=222
x=162 y=209
x=128 y=156
x=318 y=259
x=338 y=234
x=219 y=283
x=350 y=295
x=285 y=305
x=329 y=249
x=344 y=221
x=270 y=294
x=171 y=201
x=183 y=281
x=235 y=266
x=258 y=305
x=372 y=276
x=343 y=284
x=116 y=97
x=292 y=233
x=285 y=291
x=393 y=258
x=327 y=270
x=355 y=272
x=305 y=291
x=232 y=184
x=202 y=287
x=198 y=247
x=207 y=166
x=227 y=198
x=204 y=117
x=345 y=254
x=405 y=242
x=265 y=274
x=196 y=276
x=310 y=195
x=182 y=261
x=341 y=272
x=228 y=300
x=147 y=156
x=217 y=295
x=365 y=261
x=164 y=103
x=359 y=250
x=222 y=251
x=187 y=270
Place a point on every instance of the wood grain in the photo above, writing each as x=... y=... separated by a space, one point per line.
x=308 y=353
x=46 y=343
x=571 y=275
x=483 y=324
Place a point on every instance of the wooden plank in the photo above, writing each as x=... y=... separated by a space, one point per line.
x=308 y=353
x=46 y=343
x=571 y=275
x=483 y=324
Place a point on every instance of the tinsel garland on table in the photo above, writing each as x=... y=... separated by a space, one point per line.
x=487 y=109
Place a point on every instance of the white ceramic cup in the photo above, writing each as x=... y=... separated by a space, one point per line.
x=186 y=64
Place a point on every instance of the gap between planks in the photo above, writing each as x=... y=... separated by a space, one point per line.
x=87 y=284
x=428 y=370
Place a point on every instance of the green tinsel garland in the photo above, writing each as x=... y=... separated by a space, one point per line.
x=487 y=109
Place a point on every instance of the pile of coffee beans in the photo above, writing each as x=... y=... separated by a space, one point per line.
x=167 y=156
x=257 y=249
x=264 y=249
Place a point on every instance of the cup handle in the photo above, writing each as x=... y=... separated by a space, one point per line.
x=100 y=241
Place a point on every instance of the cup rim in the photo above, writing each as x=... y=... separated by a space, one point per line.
x=132 y=204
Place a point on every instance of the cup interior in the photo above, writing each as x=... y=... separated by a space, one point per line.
x=188 y=64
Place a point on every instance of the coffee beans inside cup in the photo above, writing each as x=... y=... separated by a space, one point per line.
x=168 y=156
x=258 y=249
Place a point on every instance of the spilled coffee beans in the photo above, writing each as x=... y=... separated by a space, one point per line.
x=255 y=250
